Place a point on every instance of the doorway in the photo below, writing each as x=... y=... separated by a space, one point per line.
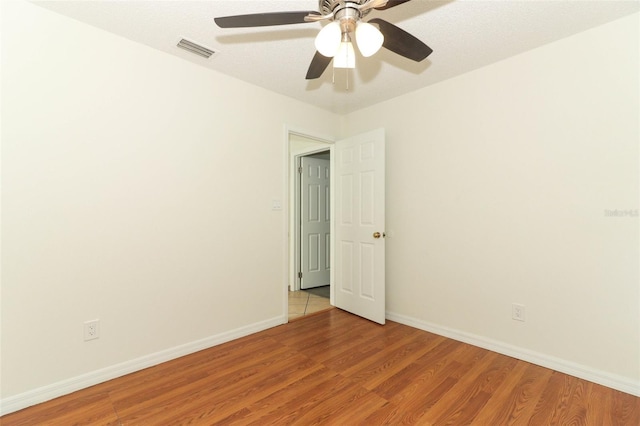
x=309 y=242
x=357 y=236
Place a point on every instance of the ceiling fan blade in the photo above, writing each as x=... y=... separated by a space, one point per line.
x=401 y=42
x=263 y=19
x=372 y=4
x=319 y=63
x=390 y=4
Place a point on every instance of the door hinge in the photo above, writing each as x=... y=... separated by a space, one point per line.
x=300 y=169
x=300 y=275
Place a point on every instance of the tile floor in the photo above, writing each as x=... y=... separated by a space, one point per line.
x=302 y=303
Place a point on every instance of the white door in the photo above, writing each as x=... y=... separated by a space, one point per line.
x=315 y=222
x=359 y=171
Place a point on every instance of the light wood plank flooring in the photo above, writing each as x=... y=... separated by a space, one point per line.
x=338 y=369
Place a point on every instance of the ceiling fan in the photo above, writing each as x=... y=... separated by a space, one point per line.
x=334 y=40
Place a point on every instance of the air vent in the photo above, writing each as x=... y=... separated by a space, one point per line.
x=195 y=48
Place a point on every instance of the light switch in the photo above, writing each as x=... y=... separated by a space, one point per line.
x=276 y=205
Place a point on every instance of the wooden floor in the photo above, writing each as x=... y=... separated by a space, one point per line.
x=335 y=368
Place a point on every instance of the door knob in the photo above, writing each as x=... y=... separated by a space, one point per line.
x=376 y=235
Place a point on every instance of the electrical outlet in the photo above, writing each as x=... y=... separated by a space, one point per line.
x=91 y=329
x=517 y=312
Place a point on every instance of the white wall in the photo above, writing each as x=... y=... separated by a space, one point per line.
x=136 y=188
x=497 y=183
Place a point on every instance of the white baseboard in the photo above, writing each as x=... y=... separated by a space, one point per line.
x=621 y=383
x=64 y=387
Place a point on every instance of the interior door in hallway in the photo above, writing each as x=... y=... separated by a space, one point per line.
x=359 y=260
x=315 y=222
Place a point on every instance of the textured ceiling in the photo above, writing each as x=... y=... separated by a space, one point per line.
x=464 y=34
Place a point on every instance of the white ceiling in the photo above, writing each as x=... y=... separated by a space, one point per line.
x=464 y=34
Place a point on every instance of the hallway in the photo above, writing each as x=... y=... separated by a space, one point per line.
x=305 y=302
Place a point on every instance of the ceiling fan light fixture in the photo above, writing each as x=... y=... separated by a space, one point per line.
x=368 y=38
x=328 y=39
x=346 y=56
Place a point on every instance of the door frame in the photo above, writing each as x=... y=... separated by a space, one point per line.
x=291 y=255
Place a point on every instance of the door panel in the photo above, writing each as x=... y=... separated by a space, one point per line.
x=359 y=213
x=315 y=222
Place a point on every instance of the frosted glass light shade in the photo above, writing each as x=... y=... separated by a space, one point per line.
x=328 y=39
x=345 y=58
x=369 y=39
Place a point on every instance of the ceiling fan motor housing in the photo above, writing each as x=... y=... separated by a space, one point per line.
x=346 y=12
